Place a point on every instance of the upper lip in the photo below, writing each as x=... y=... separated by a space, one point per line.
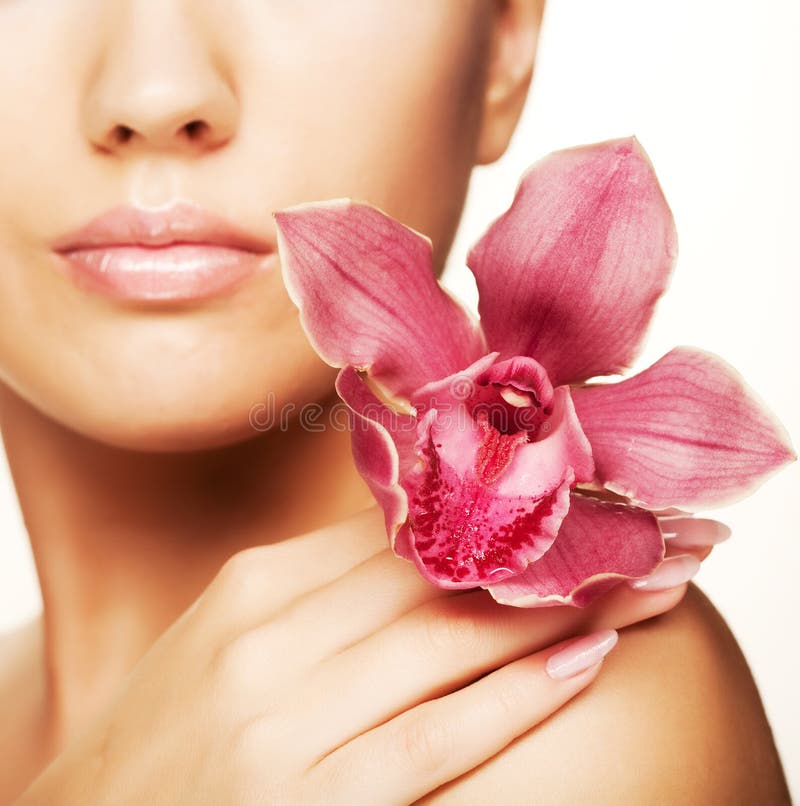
x=183 y=222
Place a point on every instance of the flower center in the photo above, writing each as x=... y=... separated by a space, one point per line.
x=496 y=450
x=513 y=397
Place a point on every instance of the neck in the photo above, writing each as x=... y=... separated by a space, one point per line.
x=124 y=541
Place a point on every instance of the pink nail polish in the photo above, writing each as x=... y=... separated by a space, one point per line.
x=581 y=654
x=672 y=571
x=697 y=532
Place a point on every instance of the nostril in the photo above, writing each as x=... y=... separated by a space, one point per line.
x=196 y=129
x=122 y=134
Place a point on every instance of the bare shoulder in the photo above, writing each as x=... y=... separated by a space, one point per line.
x=673 y=718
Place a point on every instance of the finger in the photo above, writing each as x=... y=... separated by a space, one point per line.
x=454 y=641
x=439 y=740
x=256 y=583
x=673 y=570
x=375 y=593
x=696 y=551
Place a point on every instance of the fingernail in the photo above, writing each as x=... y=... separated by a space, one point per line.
x=581 y=654
x=671 y=512
x=690 y=532
x=672 y=571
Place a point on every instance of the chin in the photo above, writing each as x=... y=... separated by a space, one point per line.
x=180 y=380
x=199 y=403
x=176 y=431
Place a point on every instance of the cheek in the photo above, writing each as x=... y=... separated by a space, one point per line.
x=376 y=103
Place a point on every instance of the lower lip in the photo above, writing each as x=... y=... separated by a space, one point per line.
x=176 y=272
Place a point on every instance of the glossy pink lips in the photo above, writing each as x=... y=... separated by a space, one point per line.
x=178 y=254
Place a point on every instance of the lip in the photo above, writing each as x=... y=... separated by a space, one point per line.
x=180 y=253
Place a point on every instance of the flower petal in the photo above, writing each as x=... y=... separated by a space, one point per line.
x=599 y=544
x=448 y=393
x=570 y=274
x=379 y=438
x=368 y=297
x=685 y=432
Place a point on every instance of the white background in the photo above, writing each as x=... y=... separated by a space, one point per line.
x=711 y=89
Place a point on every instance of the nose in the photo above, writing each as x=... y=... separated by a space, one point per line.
x=156 y=86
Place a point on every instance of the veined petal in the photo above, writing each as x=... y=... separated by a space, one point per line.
x=368 y=297
x=382 y=441
x=599 y=544
x=571 y=272
x=686 y=432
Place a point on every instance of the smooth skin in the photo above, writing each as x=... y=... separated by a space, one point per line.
x=222 y=619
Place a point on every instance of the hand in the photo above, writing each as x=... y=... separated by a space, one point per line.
x=355 y=682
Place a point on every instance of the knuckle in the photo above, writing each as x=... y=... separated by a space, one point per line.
x=257 y=754
x=452 y=631
x=243 y=570
x=249 y=745
x=235 y=664
x=425 y=742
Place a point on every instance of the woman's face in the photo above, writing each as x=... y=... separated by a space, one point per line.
x=241 y=108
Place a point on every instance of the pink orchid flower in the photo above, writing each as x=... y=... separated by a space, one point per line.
x=483 y=442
